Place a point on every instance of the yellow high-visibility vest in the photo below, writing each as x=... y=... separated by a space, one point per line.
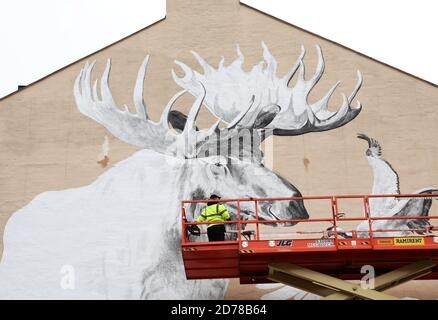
x=214 y=213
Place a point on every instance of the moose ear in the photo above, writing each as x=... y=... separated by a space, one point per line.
x=266 y=115
x=178 y=120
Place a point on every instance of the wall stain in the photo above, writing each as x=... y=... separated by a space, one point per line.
x=103 y=158
x=103 y=162
x=306 y=163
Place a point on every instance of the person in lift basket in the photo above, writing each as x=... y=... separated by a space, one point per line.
x=216 y=213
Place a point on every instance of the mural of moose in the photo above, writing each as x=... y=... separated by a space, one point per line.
x=119 y=237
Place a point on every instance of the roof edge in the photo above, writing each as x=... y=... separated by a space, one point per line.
x=245 y=5
x=340 y=45
x=80 y=59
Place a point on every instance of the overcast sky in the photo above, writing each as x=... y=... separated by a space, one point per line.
x=41 y=36
x=401 y=33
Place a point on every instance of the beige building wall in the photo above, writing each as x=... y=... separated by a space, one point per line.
x=46 y=144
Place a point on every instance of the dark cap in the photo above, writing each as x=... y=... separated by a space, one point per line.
x=214 y=196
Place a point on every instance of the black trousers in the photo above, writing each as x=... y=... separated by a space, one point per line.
x=216 y=232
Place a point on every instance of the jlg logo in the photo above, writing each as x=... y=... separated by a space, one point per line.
x=284 y=243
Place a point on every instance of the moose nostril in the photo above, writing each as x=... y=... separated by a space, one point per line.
x=297 y=208
x=306 y=214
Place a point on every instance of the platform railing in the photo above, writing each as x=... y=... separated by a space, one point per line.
x=335 y=218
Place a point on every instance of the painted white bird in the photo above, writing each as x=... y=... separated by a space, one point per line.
x=386 y=181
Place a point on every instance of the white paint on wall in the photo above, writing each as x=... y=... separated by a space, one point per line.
x=399 y=33
x=118 y=236
x=40 y=37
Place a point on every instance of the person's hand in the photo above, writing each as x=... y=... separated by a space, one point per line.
x=194 y=230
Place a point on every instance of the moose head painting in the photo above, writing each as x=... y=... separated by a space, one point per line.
x=119 y=237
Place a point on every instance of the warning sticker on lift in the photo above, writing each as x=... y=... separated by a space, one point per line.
x=409 y=241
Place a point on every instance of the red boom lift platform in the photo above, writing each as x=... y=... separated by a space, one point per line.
x=318 y=264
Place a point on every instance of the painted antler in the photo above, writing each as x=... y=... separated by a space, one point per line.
x=230 y=87
x=137 y=129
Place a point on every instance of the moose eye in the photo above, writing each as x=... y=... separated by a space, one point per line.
x=217 y=164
